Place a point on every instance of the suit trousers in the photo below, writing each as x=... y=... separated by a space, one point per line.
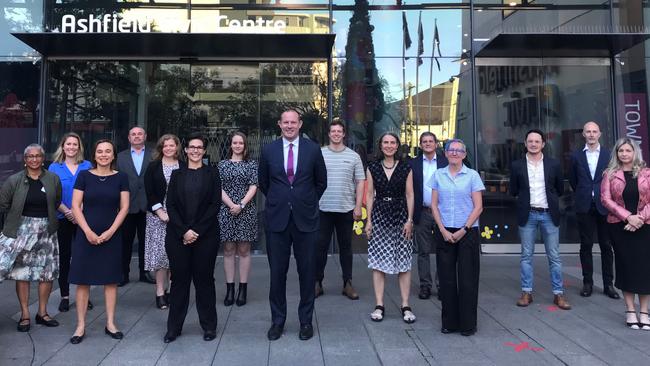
x=341 y=222
x=587 y=224
x=65 y=234
x=134 y=222
x=278 y=248
x=459 y=268
x=192 y=263
x=425 y=242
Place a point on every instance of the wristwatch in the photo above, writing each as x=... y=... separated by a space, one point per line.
x=467 y=228
x=242 y=205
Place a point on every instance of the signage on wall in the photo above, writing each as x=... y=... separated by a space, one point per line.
x=114 y=23
x=633 y=120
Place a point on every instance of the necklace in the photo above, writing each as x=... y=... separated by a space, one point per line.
x=103 y=179
x=384 y=164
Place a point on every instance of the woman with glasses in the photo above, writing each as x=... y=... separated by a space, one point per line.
x=68 y=163
x=389 y=202
x=456 y=204
x=625 y=192
x=100 y=203
x=192 y=240
x=28 y=244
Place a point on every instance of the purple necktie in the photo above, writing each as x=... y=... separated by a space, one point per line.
x=290 y=164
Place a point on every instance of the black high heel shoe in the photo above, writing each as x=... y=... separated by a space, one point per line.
x=230 y=294
x=631 y=325
x=241 y=294
x=161 y=302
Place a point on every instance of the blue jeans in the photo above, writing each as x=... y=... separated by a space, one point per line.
x=551 y=238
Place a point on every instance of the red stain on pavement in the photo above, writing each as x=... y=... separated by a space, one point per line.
x=522 y=346
x=552 y=308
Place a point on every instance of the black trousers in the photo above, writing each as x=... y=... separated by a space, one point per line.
x=587 y=224
x=341 y=222
x=459 y=268
x=65 y=234
x=192 y=263
x=133 y=223
x=278 y=249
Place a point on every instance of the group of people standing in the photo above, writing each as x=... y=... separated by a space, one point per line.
x=77 y=220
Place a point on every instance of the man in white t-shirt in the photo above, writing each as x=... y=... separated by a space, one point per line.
x=340 y=205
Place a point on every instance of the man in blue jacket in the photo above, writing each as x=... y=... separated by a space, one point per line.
x=293 y=177
x=585 y=176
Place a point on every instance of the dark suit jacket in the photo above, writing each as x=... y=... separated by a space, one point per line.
x=300 y=198
x=155 y=183
x=520 y=188
x=137 y=193
x=206 y=222
x=582 y=183
x=418 y=181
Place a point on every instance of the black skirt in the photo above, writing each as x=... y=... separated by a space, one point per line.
x=632 y=258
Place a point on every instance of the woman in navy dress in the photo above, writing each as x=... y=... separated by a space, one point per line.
x=100 y=202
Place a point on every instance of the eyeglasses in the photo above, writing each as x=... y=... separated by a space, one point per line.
x=33 y=157
x=456 y=151
x=197 y=148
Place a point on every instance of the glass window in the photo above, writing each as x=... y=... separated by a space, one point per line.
x=19 y=16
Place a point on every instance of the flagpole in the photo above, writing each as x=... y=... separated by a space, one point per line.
x=433 y=54
x=417 y=77
x=404 y=105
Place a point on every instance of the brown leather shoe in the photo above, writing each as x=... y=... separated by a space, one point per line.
x=348 y=291
x=561 y=302
x=319 y=289
x=525 y=299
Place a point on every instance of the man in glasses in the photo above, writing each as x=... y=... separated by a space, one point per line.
x=537 y=183
x=134 y=161
x=423 y=167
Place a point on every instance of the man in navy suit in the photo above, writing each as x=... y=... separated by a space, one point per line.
x=585 y=176
x=537 y=183
x=293 y=177
x=423 y=167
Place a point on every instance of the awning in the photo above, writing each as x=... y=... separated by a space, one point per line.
x=173 y=46
x=560 y=44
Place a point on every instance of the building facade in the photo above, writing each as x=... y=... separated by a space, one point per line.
x=485 y=71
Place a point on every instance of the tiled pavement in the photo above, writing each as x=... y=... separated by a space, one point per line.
x=593 y=333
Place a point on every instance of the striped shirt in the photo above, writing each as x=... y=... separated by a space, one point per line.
x=344 y=170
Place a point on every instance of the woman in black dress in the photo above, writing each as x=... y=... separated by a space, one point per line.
x=192 y=240
x=625 y=192
x=238 y=215
x=100 y=202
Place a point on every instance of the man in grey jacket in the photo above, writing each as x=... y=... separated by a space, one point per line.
x=134 y=161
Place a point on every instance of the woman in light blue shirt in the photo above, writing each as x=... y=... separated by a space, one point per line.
x=68 y=162
x=456 y=204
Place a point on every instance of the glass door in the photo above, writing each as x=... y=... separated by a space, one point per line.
x=557 y=96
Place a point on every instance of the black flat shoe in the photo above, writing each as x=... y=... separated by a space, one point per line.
x=425 y=293
x=306 y=332
x=230 y=294
x=161 y=302
x=46 y=322
x=467 y=333
x=90 y=305
x=77 y=339
x=117 y=335
x=23 y=327
x=611 y=292
x=64 y=305
x=241 y=294
x=275 y=332
x=209 y=335
x=447 y=331
x=170 y=337
x=587 y=289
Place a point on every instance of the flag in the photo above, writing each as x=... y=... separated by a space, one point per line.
x=436 y=44
x=405 y=30
x=420 y=40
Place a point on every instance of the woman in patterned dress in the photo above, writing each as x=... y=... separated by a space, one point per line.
x=165 y=161
x=238 y=215
x=389 y=203
x=28 y=244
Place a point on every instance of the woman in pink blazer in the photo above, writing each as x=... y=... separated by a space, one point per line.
x=625 y=192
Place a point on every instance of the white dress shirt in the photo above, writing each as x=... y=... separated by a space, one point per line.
x=592 y=161
x=537 y=183
x=428 y=168
x=285 y=150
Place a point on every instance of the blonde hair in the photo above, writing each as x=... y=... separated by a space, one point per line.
x=158 y=154
x=59 y=154
x=615 y=164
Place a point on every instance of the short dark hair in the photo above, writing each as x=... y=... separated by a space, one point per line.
x=197 y=136
x=92 y=157
x=537 y=131
x=380 y=154
x=429 y=133
x=336 y=122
